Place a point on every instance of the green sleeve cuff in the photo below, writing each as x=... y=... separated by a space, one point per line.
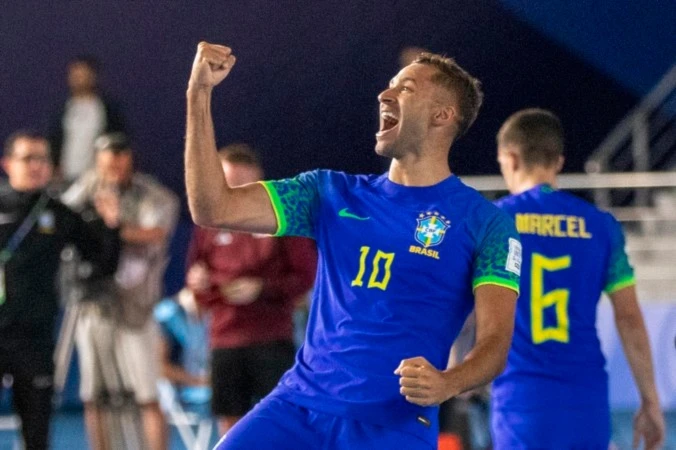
x=509 y=284
x=623 y=283
x=277 y=207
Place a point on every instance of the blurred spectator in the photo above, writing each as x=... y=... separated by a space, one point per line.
x=34 y=228
x=77 y=122
x=184 y=389
x=185 y=361
x=124 y=306
x=250 y=283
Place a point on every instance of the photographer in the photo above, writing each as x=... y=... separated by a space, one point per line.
x=34 y=228
x=117 y=338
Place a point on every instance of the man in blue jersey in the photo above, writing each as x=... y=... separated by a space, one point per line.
x=403 y=259
x=554 y=391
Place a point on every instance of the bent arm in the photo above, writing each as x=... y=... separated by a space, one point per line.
x=174 y=372
x=494 y=309
x=649 y=420
x=634 y=337
x=212 y=202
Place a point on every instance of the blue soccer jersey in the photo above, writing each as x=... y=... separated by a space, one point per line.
x=395 y=279
x=572 y=252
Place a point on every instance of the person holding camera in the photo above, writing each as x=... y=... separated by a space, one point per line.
x=117 y=339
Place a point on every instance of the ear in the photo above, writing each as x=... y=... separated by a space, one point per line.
x=559 y=164
x=516 y=162
x=510 y=159
x=444 y=115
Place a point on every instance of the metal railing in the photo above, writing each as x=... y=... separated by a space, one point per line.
x=631 y=181
x=644 y=140
x=583 y=181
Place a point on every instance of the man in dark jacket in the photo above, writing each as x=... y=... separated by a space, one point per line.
x=34 y=228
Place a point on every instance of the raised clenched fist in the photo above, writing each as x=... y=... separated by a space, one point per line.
x=212 y=64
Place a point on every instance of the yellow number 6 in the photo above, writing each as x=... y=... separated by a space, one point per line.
x=541 y=300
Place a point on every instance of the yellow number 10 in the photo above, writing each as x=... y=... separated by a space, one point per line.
x=558 y=298
x=373 y=279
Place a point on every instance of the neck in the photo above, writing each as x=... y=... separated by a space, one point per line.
x=426 y=168
x=83 y=94
x=527 y=181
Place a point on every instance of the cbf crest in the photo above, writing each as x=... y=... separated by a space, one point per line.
x=431 y=228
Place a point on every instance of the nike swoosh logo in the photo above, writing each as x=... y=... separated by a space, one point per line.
x=344 y=213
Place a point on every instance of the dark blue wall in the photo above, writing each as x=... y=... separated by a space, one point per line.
x=305 y=86
x=632 y=41
x=308 y=74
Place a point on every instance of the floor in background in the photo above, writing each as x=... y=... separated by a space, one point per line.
x=68 y=433
x=623 y=431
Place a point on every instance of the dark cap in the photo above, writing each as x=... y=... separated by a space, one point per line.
x=114 y=142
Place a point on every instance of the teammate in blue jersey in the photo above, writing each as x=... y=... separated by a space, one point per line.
x=403 y=259
x=554 y=392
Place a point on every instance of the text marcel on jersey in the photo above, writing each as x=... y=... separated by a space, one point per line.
x=552 y=225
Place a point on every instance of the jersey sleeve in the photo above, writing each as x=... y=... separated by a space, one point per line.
x=620 y=273
x=296 y=203
x=497 y=259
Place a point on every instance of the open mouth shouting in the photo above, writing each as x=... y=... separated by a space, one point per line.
x=388 y=122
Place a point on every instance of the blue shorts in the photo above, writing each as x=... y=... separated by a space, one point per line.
x=280 y=425
x=551 y=430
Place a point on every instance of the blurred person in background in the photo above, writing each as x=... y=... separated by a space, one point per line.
x=554 y=390
x=77 y=122
x=125 y=302
x=34 y=228
x=250 y=283
x=184 y=349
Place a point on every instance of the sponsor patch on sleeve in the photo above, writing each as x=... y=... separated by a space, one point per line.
x=514 y=257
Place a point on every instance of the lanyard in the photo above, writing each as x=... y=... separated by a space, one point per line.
x=23 y=230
